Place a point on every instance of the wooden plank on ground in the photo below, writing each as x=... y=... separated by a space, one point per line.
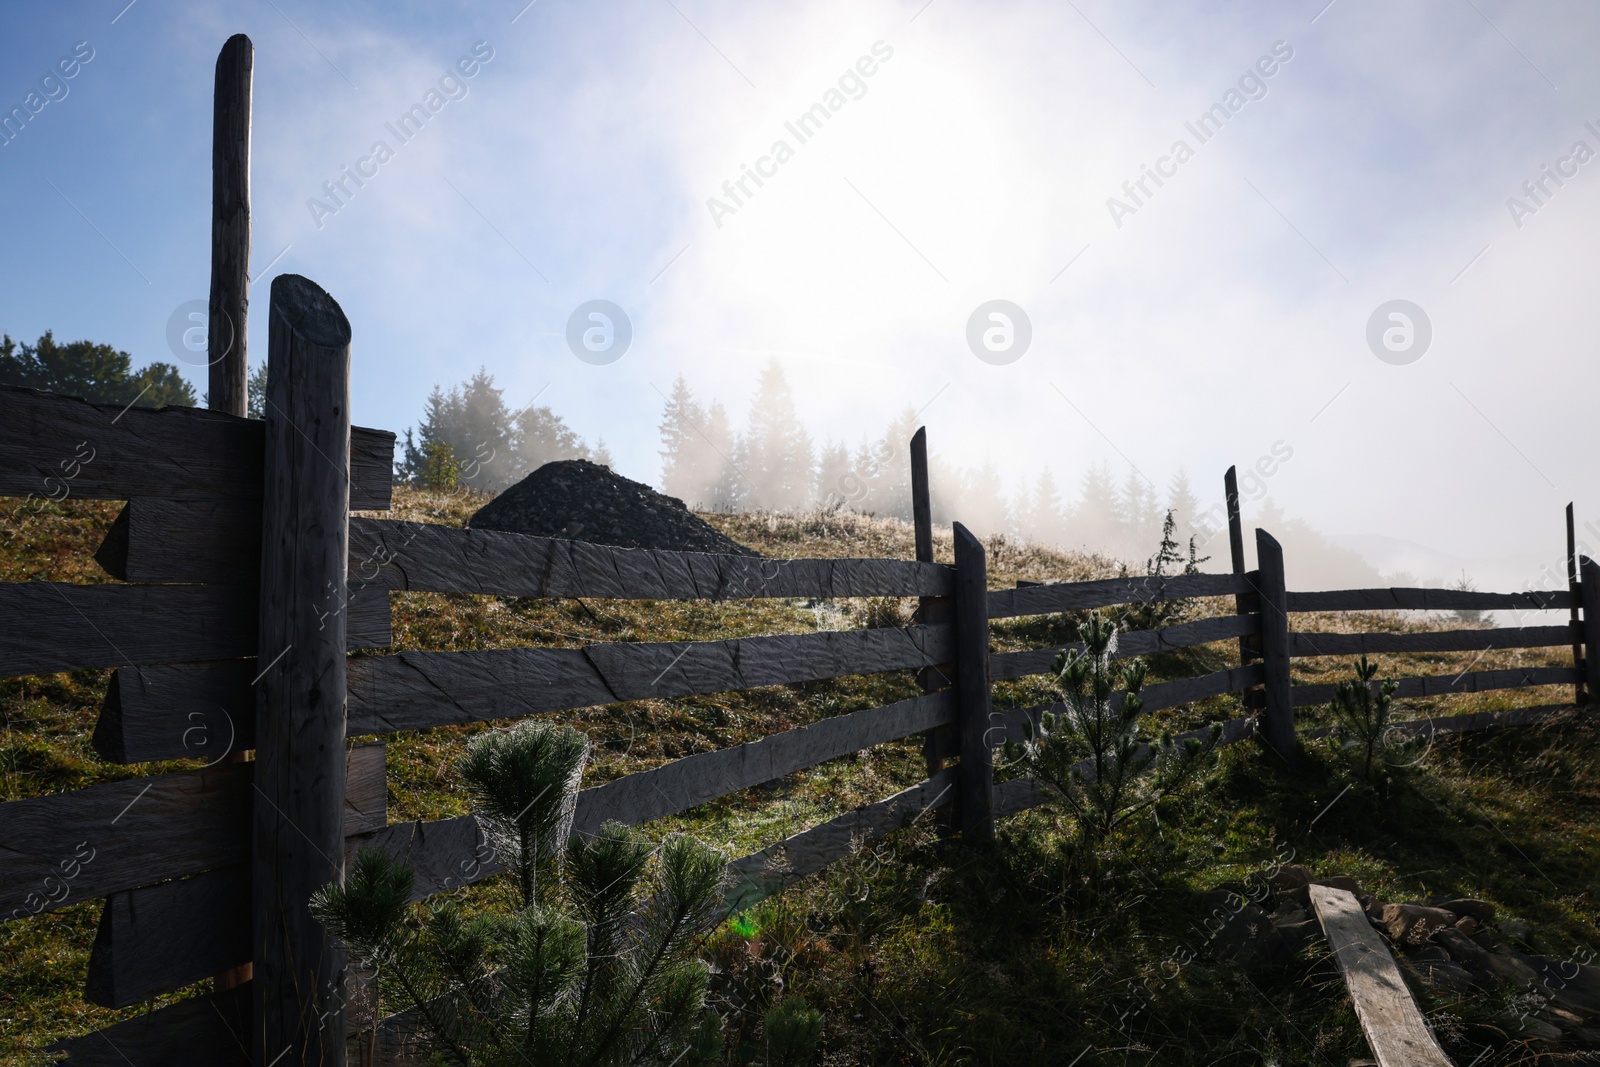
x=1007 y=665
x=59 y=626
x=74 y=846
x=1428 y=600
x=1320 y=644
x=165 y=540
x=1396 y=1031
x=1445 y=684
x=693 y=780
x=59 y=447
x=1081 y=596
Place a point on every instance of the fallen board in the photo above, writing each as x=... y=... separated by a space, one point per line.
x=1396 y=1031
x=60 y=447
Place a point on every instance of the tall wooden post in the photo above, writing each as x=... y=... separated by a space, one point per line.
x=298 y=844
x=1243 y=603
x=976 y=773
x=938 y=742
x=226 y=321
x=1591 y=625
x=1272 y=593
x=228 y=370
x=1583 y=682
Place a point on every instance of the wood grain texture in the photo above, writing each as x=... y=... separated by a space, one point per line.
x=173 y=540
x=1574 y=613
x=1396 y=1031
x=57 y=626
x=413 y=690
x=1320 y=644
x=1426 y=600
x=298 y=838
x=227 y=325
x=133 y=833
x=1244 y=602
x=1080 y=596
x=211 y=1030
x=1445 y=684
x=178 y=711
x=685 y=783
x=930 y=609
x=1277 y=719
x=162 y=937
x=1007 y=665
x=170 y=452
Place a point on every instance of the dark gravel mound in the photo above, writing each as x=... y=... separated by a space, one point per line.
x=584 y=501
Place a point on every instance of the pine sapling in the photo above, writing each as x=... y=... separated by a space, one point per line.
x=1363 y=714
x=1090 y=756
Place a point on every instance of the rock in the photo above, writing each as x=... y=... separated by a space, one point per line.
x=1484 y=1034
x=1374 y=910
x=1449 y=975
x=1461 y=948
x=1288 y=915
x=1464 y=907
x=1246 y=936
x=1484 y=939
x=583 y=501
x=1588 y=1037
x=1428 y=952
x=1297 y=936
x=1466 y=924
x=1574 y=987
x=1566 y=1020
x=1508 y=969
x=1534 y=1029
x=1290 y=876
x=1412 y=924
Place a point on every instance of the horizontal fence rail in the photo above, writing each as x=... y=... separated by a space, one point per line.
x=1446 y=685
x=1428 y=600
x=215 y=541
x=1009 y=665
x=1103 y=593
x=76 y=627
x=1302 y=644
x=56 y=447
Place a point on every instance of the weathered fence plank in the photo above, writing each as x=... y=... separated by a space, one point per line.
x=165 y=936
x=1396 y=1031
x=58 y=626
x=1446 y=684
x=163 y=540
x=119 y=835
x=171 y=452
x=933 y=610
x=1589 y=572
x=1321 y=644
x=1427 y=600
x=693 y=780
x=1574 y=616
x=1081 y=596
x=212 y=1030
x=298 y=840
x=1008 y=665
x=1277 y=720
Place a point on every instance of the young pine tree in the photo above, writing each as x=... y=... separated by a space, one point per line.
x=1091 y=756
x=1362 y=715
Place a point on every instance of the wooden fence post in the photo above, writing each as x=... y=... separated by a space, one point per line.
x=230 y=228
x=1272 y=593
x=1243 y=603
x=1591 y=625
x=936 y=743
x=298 y=842
x=1583 y=683
x=976 y=773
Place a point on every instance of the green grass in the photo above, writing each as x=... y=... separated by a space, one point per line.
x=919 y=951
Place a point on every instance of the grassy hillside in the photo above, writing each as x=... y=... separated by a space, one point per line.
x=918 y=951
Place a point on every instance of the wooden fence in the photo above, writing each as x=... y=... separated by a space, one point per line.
x=251 y=611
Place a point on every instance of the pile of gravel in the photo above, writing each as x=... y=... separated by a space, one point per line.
x=584 y=501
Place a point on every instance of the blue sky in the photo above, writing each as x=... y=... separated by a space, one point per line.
x=1226 y=314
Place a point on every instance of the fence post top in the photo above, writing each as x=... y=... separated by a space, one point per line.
x=309 y=311
x=965 y=538
x=1264 y=539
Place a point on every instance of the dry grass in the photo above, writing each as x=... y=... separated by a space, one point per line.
x=910 y=938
